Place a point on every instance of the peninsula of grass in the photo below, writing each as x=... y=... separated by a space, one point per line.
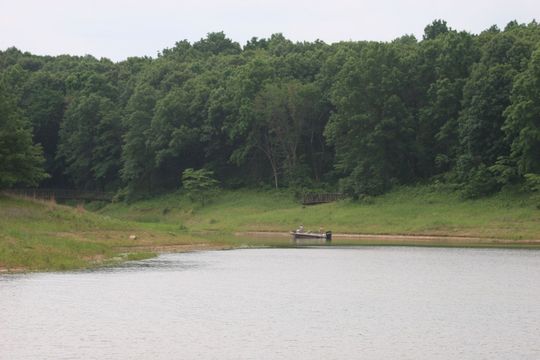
x=42 y=235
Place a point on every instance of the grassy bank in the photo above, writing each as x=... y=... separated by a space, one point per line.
x=40 y=235
x=414 y=210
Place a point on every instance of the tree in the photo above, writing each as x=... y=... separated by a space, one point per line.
x=269 y=128
x=436 y=28
x=137 y=156
x=372 y=128
x=176 y=130
x=522 y=124
x=217 y=43
x=486 y=96
x=365 y=115
x=443 y=66
x=21 y=162
x=199 y=184
x=43 y=101
x=277 y=121
x=90 y=142
x=482 y=142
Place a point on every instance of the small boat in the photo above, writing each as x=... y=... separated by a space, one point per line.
x=311 y=235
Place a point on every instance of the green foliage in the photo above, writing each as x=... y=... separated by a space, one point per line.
x=481 y=183
x=365 y=116
x=137 y=154
x=90 y=142
x=217 y=43
x=504 y=171
x=199 y=184
x=436 y=28
x=532 y=182
x=372 y=129
x=489 y=125
x=43 y=101
x=486 y=96
x=444 y=65
x=522 y=124
x=21 y=162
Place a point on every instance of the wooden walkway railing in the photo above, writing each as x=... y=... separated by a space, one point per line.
x=62 y=194
x=313 y=198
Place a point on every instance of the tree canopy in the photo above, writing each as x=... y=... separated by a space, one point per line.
x=20 y=161
x=357 y=116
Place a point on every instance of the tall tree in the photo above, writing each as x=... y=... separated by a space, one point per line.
x=522 y=124
x=90 y=142
x=43 y=101
x=443 y=67
x=21 y=162
x=436 y=28
x=217 y=43
x=372 y=129
x=138 y=158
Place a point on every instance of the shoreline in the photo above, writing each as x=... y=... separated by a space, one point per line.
x=338 y=239
x=403 y=237
x=126 y=250
x=179 y=248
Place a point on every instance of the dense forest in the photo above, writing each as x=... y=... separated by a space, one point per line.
x=361 y=117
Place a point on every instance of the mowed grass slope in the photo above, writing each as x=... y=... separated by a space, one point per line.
x=418 y=210
x=42 y=235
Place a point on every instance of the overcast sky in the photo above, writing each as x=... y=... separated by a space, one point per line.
x=121 y=28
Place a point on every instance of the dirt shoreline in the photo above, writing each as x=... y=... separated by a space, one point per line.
x=435 y=239
x=171 y=248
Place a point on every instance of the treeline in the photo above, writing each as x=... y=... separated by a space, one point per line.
x=358 y=116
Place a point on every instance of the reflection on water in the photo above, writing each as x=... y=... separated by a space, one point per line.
x=320 y=303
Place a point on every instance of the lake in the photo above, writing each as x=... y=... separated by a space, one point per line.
x=296 y=303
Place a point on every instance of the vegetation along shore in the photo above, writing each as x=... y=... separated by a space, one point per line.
x=43 y=235
x=437 y=137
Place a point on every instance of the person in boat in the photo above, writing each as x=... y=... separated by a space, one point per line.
x=300 y=229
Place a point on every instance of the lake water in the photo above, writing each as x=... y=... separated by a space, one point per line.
x=308 y=303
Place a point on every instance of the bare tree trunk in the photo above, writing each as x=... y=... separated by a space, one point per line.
x=268 y=152
x=274 y=169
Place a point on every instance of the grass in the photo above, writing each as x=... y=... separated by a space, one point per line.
x=410 y=210
x=42 y=235
x=140 y=256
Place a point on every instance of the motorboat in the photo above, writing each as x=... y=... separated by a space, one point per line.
x=298 y=234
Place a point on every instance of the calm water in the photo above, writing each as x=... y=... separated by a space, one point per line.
x=320 y=303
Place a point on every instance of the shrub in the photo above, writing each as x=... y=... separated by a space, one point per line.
x=199 y=184
x=480 y=183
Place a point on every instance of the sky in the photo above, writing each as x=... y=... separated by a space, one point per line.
x=118 y=29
